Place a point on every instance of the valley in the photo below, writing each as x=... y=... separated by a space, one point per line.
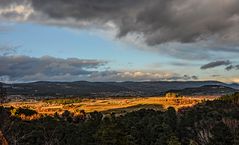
x=108 y=105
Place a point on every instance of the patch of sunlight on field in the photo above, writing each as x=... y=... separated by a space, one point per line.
x=108 y=104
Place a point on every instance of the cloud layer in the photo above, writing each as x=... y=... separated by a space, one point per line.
x=24 y=67
x=139 y=76
x=159 y=21
x=227 y=63
x=20 y=68
x=216 y=64
x=231 y=67
x=185 y=29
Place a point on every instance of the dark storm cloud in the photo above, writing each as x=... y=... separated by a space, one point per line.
x=216 y=64
x=185 y=29
x=30 y=68
x=160 y=21
x=5 y=3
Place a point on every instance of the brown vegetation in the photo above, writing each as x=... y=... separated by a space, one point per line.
x=49 y=107
x=3 y=140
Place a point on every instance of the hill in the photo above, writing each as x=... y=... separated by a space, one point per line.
x=104 y=89
x=209 y=90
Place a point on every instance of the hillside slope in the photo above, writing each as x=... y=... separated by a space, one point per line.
x=103 y=89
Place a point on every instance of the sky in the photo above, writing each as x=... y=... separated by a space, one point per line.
x=126 y=40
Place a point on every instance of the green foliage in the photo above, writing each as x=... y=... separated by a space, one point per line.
x=111 y=134
x=67 y=116
x=234 y=98
x=174 y=141
x=171 y=118
x=221 y=135
x=236 y=136
x=22 y=111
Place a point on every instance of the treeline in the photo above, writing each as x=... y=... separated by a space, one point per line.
x=230 y=98
x=209 y=123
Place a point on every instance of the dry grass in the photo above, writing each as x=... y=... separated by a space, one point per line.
x=108 y=104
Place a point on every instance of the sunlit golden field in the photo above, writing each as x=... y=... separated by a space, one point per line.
x=108 y=105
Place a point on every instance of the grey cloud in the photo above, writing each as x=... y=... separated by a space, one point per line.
x=138 y=76
x=185 y=29
x=30 y=68
x=231 y=67
x=182 y=64
x=195 y=77
x=237 y=67
x=215 y=76
x=182 y=78
x=160 y=21
x=5 y=3
x=25 y=68
x=216 y=64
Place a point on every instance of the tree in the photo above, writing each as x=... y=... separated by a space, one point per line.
x=236 y=136
x=67 y=116
x=172 y=95
x=111 y=134
x=171 y=117
x=96 y=116
x=174 y=141
x=221 y=135
x=3 y=93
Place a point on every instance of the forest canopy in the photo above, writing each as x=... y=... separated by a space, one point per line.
x=209 y=123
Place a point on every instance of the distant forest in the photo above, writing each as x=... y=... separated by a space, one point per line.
x=209 y=123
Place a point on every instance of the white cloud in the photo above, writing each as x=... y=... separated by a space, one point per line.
x=16 y=12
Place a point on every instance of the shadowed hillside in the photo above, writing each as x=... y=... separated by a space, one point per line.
x=106 y=89
x=206 y=90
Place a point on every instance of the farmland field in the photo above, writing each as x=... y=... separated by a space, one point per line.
x=107 y=105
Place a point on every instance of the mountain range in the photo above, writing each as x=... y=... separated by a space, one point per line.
x=105 y=89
